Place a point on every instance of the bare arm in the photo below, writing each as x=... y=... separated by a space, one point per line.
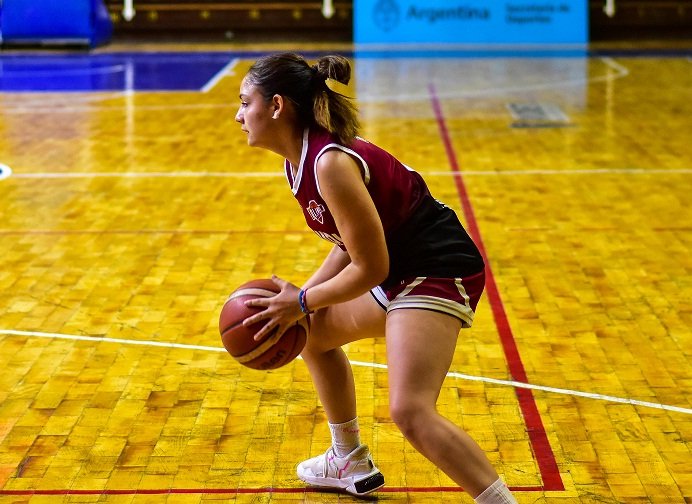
x=360 y=228
x=342 y=276
x=335 y=261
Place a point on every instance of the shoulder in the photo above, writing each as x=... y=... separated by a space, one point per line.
x=335 y=163
x=338 y=177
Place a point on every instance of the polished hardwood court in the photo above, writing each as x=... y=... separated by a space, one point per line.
x=131 y=207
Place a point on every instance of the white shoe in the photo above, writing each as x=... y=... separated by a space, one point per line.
x=355 y=473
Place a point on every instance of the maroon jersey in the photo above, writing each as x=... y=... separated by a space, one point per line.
x=395 y=189
x=423 y=236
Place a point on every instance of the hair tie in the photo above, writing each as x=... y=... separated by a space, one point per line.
x=316 y=73
x=318 y=79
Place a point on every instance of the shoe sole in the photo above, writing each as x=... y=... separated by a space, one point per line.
x=361 y=487
x=369 y=484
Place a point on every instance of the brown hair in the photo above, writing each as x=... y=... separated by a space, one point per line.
x=291 y=76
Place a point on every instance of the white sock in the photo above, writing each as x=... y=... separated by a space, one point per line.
x=497 y=493
x=345 y=437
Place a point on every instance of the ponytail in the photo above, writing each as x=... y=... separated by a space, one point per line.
x=310 y=90
x=332 y=110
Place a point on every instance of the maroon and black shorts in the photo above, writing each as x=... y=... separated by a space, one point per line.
x=434 y=265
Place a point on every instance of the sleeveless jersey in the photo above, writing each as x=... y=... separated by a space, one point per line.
x=395 y=189
x=424 y=237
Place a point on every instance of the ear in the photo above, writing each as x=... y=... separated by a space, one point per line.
x=278 y=104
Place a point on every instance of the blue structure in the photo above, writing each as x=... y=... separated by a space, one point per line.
x=54 y=22
x=485 y=22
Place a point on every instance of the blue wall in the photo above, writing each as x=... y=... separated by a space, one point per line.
x=54 y=21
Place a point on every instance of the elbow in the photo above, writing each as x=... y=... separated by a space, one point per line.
x=379 y=270
x=384 y=272
x=376 y=278
x=372 y=272
x=372 y=263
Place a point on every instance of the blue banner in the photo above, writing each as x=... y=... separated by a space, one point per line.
x=471 y=22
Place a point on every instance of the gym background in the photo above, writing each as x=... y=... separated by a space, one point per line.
x=291 y=20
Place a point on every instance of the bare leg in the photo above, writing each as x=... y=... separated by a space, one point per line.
x=347 y=464
x=420 y=347
x=331 y=372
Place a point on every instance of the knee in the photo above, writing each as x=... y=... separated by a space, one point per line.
x=315 y=344
x=410 y=417
x=312 y=353
x=323 y=336
x=318 y=341
x=312 y=350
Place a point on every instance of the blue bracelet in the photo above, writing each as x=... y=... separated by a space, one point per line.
x=303 y=303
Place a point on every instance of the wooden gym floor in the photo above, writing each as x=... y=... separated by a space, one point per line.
x=131 y=207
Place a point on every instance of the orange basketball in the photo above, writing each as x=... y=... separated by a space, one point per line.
x=269 y=353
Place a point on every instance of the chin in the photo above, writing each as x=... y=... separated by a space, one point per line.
x=252 y=142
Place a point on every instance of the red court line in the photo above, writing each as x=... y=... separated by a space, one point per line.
x=238 y=491
x=537 y=435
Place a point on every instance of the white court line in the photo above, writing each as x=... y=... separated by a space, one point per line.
x=494 y=91
x=623 y=70
x=181 y=174
x=226 y=70
x=100 y=339
x=5 y=171
x=508 y=383
x=278 y=173
x=70 y=71
x=67 y=108
x=586 y=171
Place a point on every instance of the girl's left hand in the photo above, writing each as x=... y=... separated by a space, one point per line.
x=281 y=311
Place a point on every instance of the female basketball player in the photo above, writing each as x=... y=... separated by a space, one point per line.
x=402 y=266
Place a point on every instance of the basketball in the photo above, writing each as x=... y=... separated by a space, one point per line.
x=271 y=352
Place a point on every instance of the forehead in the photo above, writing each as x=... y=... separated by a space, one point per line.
x=247 y=88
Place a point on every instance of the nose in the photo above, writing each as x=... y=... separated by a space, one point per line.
x=239 y=117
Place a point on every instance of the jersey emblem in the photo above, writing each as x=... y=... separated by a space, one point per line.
x=316 y=211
